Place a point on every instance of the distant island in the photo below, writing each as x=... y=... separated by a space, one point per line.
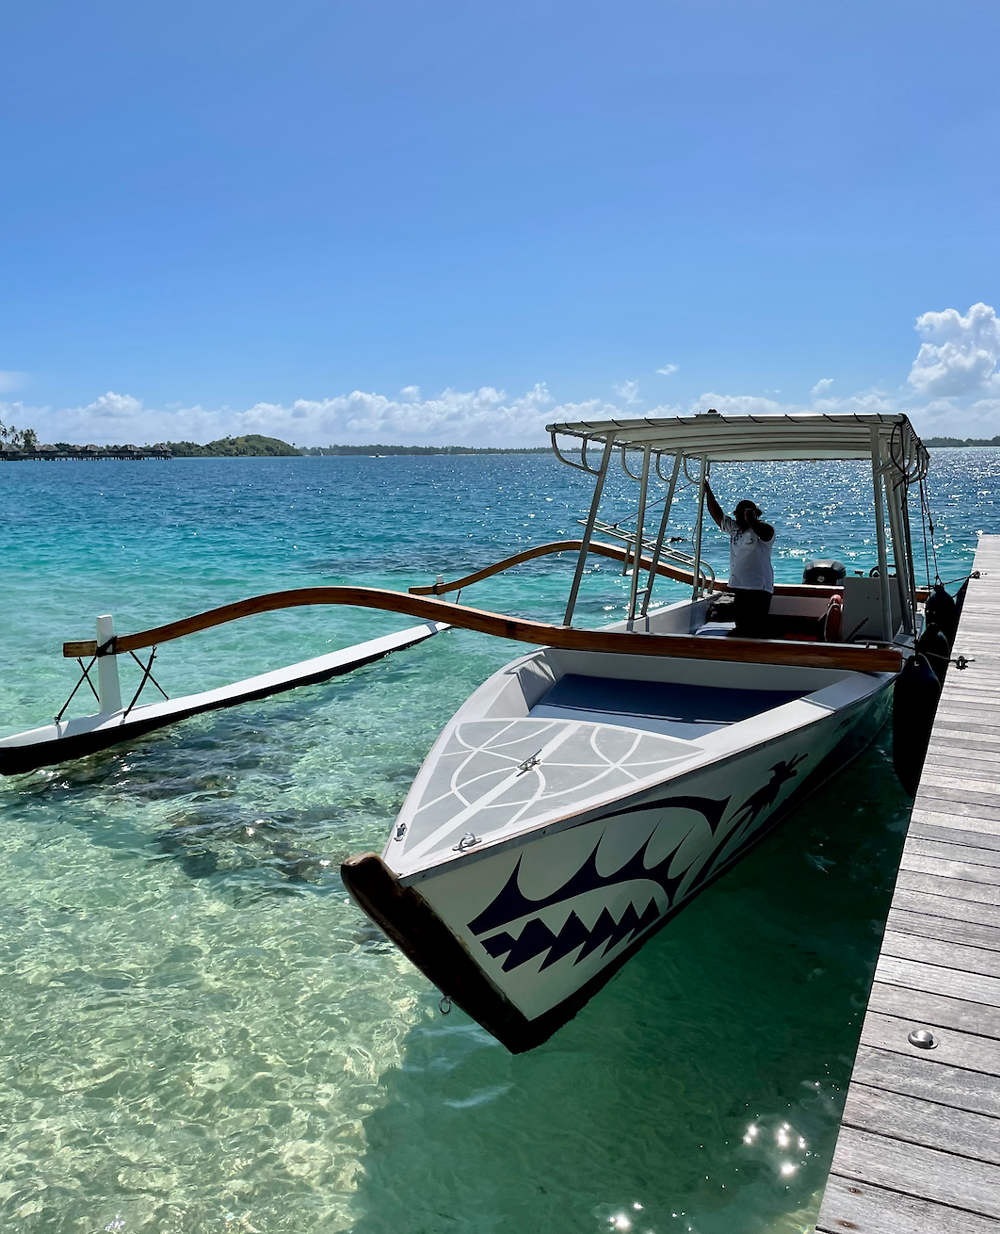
x=382 y=451
x=24 y=444
x=254 y=445
x=959 y=441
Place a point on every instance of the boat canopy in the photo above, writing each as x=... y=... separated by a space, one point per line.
x=731 y=439
x=897 y=455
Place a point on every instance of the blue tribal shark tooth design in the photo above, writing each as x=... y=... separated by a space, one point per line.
x=511 y=903
x=536 y=937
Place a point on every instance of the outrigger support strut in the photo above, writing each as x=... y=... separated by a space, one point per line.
x=147 y=675
x=84 y=677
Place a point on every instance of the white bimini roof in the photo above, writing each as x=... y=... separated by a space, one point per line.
x=890 y=439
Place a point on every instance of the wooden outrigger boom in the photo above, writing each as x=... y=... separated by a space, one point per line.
x=873 y=657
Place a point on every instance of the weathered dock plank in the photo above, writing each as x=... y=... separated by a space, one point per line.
x=954 y=1049
x=919 y=1146
x=876 y=1210
x=979 y=892
x=963 y=850
x=929 y=1010
x=917 y=1121
x=936 y=979
x=940 y=905
x=966 y=959
x=927 y=925
x=964 y=871
x=959 y=1181
x=947 y=830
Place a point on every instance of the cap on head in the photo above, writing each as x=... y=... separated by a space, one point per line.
x=746 y=506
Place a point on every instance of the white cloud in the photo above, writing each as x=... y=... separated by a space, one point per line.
x=629 y=391
x=957 y=362
x=113 y=406
x=10 y=379
x=486 y=416
x=864 y=402
x=671 y=368
x=482 y=417
x=959 y=354
x=478 y=417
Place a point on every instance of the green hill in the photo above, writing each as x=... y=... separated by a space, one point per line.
x=253 y=445
x=962 y=441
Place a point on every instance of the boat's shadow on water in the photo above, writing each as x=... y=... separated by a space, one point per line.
x=729 y=1038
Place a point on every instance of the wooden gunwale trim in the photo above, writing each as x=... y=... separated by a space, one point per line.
x=687 y=646
x=819 y=591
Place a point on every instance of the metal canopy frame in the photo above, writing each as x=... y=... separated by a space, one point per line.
x=898 y=458
x=735 y=439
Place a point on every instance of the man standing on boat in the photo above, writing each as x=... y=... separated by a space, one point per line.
x=751 y=578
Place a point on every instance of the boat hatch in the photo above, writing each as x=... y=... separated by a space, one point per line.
x=671 y=708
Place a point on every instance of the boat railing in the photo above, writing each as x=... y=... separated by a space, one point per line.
x=686 y=561
x=679 y=571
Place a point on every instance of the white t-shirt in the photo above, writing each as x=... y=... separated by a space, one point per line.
x=749 y=558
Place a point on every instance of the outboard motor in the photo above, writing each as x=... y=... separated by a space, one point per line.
x=942 y=611
x=825 y=573
x=914 y=703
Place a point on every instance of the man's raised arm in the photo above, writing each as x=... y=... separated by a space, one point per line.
x=714 y=509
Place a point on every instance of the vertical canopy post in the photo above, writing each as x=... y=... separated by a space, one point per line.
x=640 y=523
x=696 y=580
x=662 y=532
x=609 y=445
x=895 y=495
x=883 y=561
x=908 y=541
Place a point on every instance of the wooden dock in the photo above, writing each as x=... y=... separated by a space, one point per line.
x=919 y=1147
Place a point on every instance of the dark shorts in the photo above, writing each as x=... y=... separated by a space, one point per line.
x=750 y=613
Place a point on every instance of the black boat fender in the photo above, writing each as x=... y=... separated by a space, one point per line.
x=942 y=611
x=934 y=644
x=914 y=703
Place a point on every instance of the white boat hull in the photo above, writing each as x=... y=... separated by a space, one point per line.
x=525 y=924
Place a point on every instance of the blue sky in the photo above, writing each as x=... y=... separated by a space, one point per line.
x=276 y=217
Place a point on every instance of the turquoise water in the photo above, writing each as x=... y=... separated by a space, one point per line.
x=202 y=1034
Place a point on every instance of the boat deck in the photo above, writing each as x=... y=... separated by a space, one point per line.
x=685 y=711
x=919 y=1146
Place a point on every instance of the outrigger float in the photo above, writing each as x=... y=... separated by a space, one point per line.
x=114 y=723
x=587 y=791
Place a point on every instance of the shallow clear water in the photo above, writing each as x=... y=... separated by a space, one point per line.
x=202 y=1034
